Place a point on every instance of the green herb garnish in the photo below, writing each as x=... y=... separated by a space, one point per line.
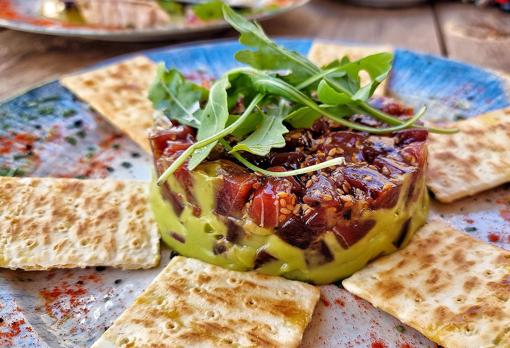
x=279 y=88
x=71 y=140
x=209 y=10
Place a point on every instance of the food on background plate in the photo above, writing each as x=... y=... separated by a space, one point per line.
x=286 y=168
x=474 y=160
x=323 y=53
x=119 y=93
x=449 y=286
x=145 y=14
x=50 y=223
x=191 y=303
x=137 y=14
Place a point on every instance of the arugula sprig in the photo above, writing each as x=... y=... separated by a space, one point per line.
x=280 y=88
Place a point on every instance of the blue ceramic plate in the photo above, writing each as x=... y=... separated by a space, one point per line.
x=48 y=132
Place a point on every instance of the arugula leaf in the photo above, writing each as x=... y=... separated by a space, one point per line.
x=329 y=95
x=376 y=65
x=212 y=139
x=178 y=98
x=269 y=133
x=284 y=82
x=248 y=126
x=171 y=7
x=214 y=118
x=268 y=55
x=209 y=10
x=303 y=117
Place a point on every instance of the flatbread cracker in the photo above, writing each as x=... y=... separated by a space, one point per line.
x=452 y=288
x=64 y=223
x=119 y=93
x=322 y=53
x=473 y=160
x=195 y=304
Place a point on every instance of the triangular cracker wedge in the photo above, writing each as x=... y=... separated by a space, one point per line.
x=195 y=304
x=452 y=288
x=473 y=160
x=322 y=53
x=119 y=92
x=64 y=223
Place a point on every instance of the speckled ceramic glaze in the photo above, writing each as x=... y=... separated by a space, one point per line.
x=71 y=308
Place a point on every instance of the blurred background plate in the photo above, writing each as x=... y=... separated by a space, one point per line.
x=57 y=135
x=130 y=20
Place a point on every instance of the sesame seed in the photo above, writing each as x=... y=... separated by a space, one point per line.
x=327 y=197
x=332 y=152
x=387 y=186
x=285 y=211
x=368 y=178
x=309 y=183
x=346 y=198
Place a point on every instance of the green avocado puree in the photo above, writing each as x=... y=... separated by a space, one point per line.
x=201 y=233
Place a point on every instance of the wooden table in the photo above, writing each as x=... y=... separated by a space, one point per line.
x=459 y=31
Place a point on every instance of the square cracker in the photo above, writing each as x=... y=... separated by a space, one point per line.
x=475 y=159
x=119 y=92
x=452 y=288
x=64 y=223
x=195 y=304
x=322 y=53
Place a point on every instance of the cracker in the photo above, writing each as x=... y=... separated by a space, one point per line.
x=195 y=304
x=322 y=53
x=119 y=92
x=471 y=161
x=50 y=223
x=452 y=288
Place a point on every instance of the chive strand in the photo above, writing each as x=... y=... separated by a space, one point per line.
x=333 y=162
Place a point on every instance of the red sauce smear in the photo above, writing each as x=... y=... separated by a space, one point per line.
x=405 y=345
x=340 y=303
x=8 y=12
x=378 y=344
x=13 y=330
x=325 y=302
x=505 y=214
x=60 y=301
x=18 y=142
x=494 y=237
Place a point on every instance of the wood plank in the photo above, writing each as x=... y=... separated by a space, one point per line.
x=476 y=35
x=29 y=59
x=412 y=28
